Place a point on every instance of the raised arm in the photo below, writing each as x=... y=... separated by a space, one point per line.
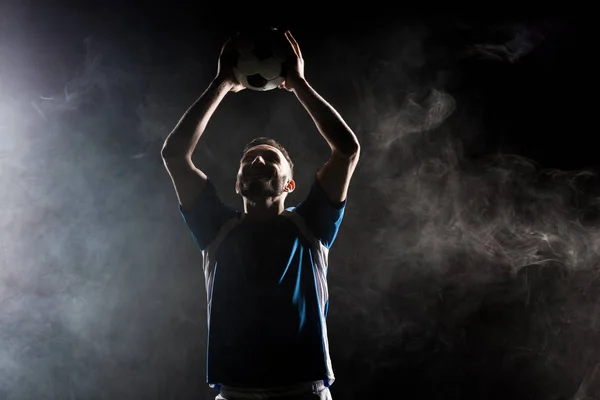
x=179 y=146
x=334 y=177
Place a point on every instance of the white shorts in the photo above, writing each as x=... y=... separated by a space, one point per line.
x=303 y=391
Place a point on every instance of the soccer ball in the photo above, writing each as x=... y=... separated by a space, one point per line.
x=260 y=58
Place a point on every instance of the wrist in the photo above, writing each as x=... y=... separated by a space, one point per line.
x=299 y=85
x=221 y=84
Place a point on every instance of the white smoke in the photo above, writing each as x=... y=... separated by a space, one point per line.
x=444 y=265
x=440 y=238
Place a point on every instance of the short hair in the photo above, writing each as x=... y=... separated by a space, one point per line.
x=271 y=142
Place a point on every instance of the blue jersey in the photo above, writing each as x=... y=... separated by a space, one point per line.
x=266 y=285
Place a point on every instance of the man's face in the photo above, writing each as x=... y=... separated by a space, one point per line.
x=264 y=172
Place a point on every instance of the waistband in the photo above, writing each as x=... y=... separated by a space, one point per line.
x=265 y=393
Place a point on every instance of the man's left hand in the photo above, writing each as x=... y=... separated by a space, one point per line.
x=295 y=66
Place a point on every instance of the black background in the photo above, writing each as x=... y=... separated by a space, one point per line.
x=486 y=292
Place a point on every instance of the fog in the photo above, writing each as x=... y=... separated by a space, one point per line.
x=456 y=273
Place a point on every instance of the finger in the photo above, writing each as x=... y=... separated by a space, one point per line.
x=289 y=36
x=227 y=51
x=294 y=43
x=291 y=43
x=226 y=45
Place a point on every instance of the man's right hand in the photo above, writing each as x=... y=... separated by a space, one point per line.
x=227 y=60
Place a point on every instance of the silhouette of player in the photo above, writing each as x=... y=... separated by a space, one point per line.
x=266 y=267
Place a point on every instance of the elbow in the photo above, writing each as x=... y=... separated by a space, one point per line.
x=172 y=153
x=167 y=153
x=351 y=151
x=356 y=150
x=350 y=154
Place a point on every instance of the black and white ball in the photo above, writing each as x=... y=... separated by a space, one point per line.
x=261 y=57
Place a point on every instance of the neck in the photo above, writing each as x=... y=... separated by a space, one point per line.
x=263 y=208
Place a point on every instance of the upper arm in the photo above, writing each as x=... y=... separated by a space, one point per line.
x=323 y=209
x=334 y=177
x=200 y=206
x=188 y=180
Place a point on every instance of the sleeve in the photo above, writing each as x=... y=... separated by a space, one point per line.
x=322 y=216
x=206 y=216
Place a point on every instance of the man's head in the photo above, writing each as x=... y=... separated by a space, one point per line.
x=266 y=170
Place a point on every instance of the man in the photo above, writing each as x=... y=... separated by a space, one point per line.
x=265 y=268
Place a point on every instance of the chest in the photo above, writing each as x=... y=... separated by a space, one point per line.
x=261 y=251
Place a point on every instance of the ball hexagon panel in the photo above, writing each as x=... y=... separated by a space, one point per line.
x=279 y=53
x=248 y=64
x=270 y=68
x=243 y=44
x=263 y=49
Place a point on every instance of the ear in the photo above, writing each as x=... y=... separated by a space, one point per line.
x=291 y=185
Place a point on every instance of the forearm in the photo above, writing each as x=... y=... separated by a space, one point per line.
x=182 y=141
x=330 y=124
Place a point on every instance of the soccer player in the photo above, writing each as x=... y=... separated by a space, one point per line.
x=266 y=267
